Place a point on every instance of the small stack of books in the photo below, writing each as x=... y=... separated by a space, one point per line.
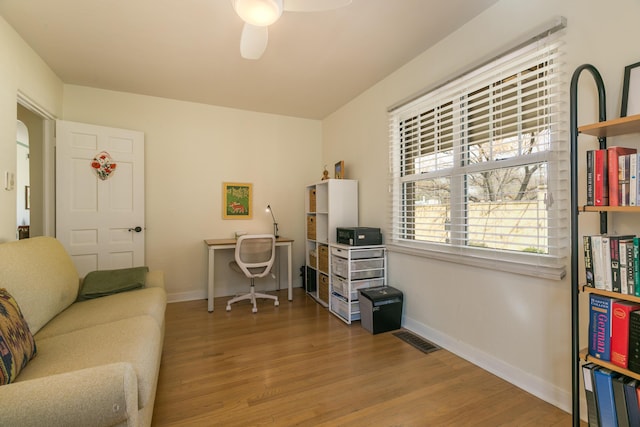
x=612 y=177
x=612 y=263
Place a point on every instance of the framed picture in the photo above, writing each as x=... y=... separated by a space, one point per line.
x=236 y=200
x=339 y=174
x=631 y=91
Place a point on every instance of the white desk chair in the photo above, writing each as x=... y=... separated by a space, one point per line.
x=254 y=257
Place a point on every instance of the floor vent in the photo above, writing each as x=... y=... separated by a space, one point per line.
x=419 y=343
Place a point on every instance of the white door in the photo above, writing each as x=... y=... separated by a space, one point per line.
x=100 y=219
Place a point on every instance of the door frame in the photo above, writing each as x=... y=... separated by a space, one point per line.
x=49 y=158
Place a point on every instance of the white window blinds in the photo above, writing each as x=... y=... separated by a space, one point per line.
x=479 y=165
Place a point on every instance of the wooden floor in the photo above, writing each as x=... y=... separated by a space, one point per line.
x=299 y=365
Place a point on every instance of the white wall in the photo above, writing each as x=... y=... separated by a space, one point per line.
x=190 y=150
x=20 y=70
x=518 y=327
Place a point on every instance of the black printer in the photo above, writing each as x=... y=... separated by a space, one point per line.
x=359 y=236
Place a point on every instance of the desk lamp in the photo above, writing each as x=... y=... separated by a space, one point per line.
x=275 y=223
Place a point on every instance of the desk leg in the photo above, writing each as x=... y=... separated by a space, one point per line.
x=289 y=272
x=210 y=280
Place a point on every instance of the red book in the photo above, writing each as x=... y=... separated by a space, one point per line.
x=601 y=179
x=620 y=331
x=613 y=169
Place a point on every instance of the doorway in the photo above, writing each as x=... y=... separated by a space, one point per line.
x=22 y=182
x=35 y=195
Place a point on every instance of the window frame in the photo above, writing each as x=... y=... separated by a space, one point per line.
x=551 y=265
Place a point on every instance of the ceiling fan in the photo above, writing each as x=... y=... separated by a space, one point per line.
x=259 y=14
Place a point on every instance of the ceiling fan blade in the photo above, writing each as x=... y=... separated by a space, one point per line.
x=253 y=41
x=313 y=5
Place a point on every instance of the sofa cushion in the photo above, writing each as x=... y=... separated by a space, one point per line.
x=149 y=301
x=17 y=345
x=39 y=274
x=101 y=283
x=137 y=340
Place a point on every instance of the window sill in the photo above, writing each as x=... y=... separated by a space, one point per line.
x=531 y=267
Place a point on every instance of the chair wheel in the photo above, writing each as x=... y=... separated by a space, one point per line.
x=254 y=309
x=228 y=308
x=276 y=303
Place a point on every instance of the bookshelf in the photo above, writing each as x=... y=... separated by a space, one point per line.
x=601 y=129
x=329 y=204
x=615 y=127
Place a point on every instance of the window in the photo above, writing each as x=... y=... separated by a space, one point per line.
x=479 y=165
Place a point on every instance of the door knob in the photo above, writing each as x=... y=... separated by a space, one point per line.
x=137 y=229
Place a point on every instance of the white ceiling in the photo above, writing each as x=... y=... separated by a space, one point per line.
x=189 y=49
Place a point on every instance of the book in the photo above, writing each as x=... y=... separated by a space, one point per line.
x=592 y=405
x=613 y=155
x=614 y=260
x=600 y=326
x=631 y=398
x=634 y=342
x=590 y=182
x=620 y=312
x=607 y=274
x=633 y=179
x=597 y=257
x=624 y=269
x=619 y=401
x=600 y=178
x=623 y=181
x=636 y=265
x=588 y=261
x=627 y=272
x=604 y=396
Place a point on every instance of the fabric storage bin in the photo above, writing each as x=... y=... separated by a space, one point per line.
x=323 y=258
x=323 y=288
x=312 y=200
x=311 y=227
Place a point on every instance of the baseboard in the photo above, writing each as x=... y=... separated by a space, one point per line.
x=186 y=296
x=544 y=390
x=196 y=295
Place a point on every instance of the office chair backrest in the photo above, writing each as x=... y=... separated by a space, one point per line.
x=255 y=254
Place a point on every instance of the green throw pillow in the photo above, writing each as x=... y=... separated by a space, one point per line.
x=106 y=282
x=17 y=345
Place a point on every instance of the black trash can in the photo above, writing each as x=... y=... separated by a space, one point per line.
x=380 y=309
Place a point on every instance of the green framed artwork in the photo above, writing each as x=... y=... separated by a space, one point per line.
x=236 y=200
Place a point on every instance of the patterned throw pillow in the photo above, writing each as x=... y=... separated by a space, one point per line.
x=17 y=345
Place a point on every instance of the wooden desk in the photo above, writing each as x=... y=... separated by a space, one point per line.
x=217 y=244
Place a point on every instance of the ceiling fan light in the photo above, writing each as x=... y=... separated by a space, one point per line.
x=258 y=12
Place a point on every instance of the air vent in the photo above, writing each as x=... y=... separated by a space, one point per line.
x=419 y=343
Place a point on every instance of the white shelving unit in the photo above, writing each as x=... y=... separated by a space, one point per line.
x=329 y=204
x=353 y=268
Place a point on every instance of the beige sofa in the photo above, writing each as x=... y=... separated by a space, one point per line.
x=97 y=361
